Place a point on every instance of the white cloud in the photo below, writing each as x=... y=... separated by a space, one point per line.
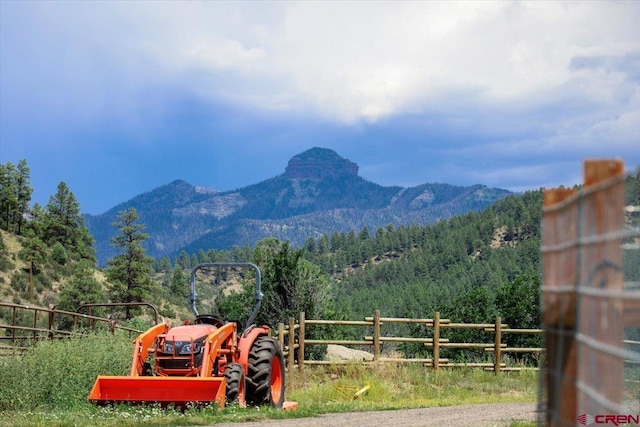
x=349 y=60
x=355 y=61
x=343 y=61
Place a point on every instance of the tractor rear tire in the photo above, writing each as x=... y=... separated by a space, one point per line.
x=265 y=380
x=234 y=375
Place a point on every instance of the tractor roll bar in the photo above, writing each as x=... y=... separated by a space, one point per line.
x=258 y=293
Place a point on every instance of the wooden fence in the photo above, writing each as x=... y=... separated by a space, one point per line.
x=294 y=344
x=27 y=325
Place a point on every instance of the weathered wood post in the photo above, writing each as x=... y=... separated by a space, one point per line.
x=292 y=343
x=498 y=345
x=52 y=314
x=281 y=335
x=436 y=341
x=35 y=325
x=376 y=335
x=13 y=323
x=583 y=295
x=301 y=343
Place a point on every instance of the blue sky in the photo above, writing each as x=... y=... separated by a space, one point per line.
x=118 y=98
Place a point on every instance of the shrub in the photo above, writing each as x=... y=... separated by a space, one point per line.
x=59 y=254
x=167 y=311
x=140 y=323
x=5 y=264
x=19 y=282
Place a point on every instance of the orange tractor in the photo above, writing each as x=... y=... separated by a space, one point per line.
x=207 y=360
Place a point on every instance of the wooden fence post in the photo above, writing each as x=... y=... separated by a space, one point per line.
x=583 y=293
x=52 y=314
x=301 y=343
x=35 y=325
x=498 y=344
x=13 y=330
x=292 y=343
x=376 y=335
x=436 y=341
x=281 y=335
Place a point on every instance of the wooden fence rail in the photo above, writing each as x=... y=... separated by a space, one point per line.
x=293 y=339
x=28 y=324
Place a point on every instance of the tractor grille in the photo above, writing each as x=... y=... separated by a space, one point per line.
x=168 y=361
x=175 y=363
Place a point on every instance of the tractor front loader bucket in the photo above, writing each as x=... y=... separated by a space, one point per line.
x=167 y=391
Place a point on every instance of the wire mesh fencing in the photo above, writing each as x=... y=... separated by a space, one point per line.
x=591 y=301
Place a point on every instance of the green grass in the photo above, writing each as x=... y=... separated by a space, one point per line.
x=408 y=386
x=49 y=386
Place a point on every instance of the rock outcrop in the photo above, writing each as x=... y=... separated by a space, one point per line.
x=319 y=163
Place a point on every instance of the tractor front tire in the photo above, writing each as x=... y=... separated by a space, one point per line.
x=234 y=375
x=265 y=380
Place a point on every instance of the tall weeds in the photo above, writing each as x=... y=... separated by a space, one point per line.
x=60 y=374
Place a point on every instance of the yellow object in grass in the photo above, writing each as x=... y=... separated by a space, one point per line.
x=350 y=392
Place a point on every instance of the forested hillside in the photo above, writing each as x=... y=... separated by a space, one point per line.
x=414 y=270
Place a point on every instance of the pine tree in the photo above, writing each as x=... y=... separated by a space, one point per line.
x=179 y=283
x=15 y=195
x=203 y=257
x=36 y=225
x=162 y=265
x=130 y=272
x=8 y=195
x=64 y=224
x=34 y=254
x=183 y=260
x=23 y=192
x=310 y=245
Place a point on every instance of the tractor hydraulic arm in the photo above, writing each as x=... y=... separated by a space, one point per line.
x=214 y=347
x=142 y=346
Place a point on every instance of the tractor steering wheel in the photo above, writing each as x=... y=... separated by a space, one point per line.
x=209 y=319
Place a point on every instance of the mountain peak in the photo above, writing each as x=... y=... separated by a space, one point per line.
x=318 y=163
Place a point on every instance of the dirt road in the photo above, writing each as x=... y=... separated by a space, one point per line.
x=483 y=415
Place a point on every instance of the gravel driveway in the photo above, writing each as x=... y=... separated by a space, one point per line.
x=482 y=415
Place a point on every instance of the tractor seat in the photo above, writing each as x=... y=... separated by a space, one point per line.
x=209 y=319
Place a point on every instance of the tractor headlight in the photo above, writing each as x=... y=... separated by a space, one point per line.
x=182 y=347
x=189 y=348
